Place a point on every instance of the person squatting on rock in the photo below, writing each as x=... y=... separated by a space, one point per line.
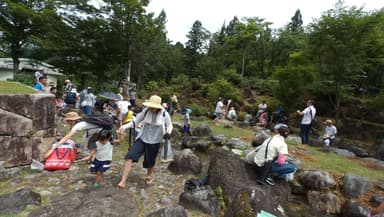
x=156 y=125
x=101 y=156
x=277 y=153
x=330 y=133
x=308 y=114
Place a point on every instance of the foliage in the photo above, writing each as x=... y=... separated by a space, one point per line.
x=199 y=110
x=222 y=88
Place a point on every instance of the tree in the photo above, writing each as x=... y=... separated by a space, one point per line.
x=341 y=42
x=20 y=20
x=296 y=21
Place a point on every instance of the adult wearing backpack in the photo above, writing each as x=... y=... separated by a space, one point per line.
x=155 y=124
x=79 y=124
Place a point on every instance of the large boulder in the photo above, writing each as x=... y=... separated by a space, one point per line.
x=14 y=125
x=327 y=203
x=353 y=209
x=185 y=162
x=16 y=202
x=109 y=201
x=202 y=131
x=355 y=186
x=317 y=180
x=235 y=178
x=195 y=143
x=203 y=198
x=260 y=137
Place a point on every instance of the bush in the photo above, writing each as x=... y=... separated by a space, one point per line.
x=199 y=110
x=223 y=88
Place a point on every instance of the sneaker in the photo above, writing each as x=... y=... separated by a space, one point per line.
x=270 y=181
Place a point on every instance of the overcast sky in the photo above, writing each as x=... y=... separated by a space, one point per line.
x=181 y=14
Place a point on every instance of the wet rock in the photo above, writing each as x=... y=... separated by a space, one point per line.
x=235 y=177
x=95 y=202
x=203 y=199
x=355 y=186
x=16 y=202
x=324 y=202
x=186 y=162
x=173 y=211
x=316 y=180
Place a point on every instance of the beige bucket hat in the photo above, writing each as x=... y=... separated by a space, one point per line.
x=153 y=102
x=72 y=116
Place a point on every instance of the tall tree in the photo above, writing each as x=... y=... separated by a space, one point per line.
x=19 y=21
x=341 y=42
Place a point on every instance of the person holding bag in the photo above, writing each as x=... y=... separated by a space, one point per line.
x=153 y=120
x=270 y=157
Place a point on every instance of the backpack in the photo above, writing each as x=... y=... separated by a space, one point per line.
x=70 y=98
x=103 y=121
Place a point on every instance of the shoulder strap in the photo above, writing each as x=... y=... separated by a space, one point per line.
x=310 y=112
x=266 y=149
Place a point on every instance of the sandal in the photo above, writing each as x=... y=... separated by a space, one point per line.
x=148 y=180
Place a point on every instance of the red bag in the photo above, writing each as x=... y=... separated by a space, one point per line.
x=61 y=158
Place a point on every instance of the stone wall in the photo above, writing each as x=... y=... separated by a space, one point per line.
x=27 y=127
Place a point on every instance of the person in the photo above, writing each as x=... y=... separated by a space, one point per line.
x=261 y=108
x=101 y=155
x=68 y=143
x=277 y=153
x=87 y=103
x=330 y=132
x=232 y=116
x=174 y=102
x=77 y=125
x=132 y=97
x=278 y=114
x=70 y=98
x=263 y=119
x=68 y=86
x=37 y=75
x=122 y=106
x=219 y=110
x=248 y=117
x=187 y=122
x=40 y=85
x=155 y=124
x=308 y=116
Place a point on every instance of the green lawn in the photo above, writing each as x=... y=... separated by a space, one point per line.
x=7 y=87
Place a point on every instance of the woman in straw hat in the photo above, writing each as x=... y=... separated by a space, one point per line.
x=330 y=133
x=156 y=124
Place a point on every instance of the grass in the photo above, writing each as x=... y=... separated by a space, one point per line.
x=312 y=157
x=7 y=87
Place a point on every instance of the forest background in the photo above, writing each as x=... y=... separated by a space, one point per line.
x=337 y=60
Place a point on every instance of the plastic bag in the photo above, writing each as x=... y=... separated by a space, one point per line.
x=37 y=165
x=166 y=153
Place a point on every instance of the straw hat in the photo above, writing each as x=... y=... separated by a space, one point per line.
x=153 y=102
x=72 y=116
x=328 y=122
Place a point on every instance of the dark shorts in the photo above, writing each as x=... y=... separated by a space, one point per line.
x=140 y=148
x=100 y=166
x=186 y=128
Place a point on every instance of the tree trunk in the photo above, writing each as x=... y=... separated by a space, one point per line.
x=243 y=63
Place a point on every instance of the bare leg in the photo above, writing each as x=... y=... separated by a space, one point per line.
x=149 y=178
x=99 y=177
x=126 y=169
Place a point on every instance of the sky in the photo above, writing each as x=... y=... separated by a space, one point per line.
x=181 y=14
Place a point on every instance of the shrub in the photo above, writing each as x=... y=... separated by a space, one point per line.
x=223 y=88
x=199 y=110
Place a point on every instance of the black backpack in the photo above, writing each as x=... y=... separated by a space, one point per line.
x=103 y=121
x=70 y=98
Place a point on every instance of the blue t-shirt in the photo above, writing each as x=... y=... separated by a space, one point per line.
x=38 y=86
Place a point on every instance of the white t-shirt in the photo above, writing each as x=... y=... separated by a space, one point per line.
x=104 y=151
x=219 y=107
x=330 y=131
x=262 y=107
x=307 y=118
x=232 y=114
x=82 y=125
x=276 y=146
x=123 y=107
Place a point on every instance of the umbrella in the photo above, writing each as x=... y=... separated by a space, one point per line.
x=110 y=95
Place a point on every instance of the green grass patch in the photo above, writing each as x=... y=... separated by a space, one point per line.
x=7 y=87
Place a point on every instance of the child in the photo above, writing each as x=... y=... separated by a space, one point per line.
x=103 y=156
x=187 y=122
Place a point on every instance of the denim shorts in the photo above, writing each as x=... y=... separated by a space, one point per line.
x=140 y=148
x=100 y=166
